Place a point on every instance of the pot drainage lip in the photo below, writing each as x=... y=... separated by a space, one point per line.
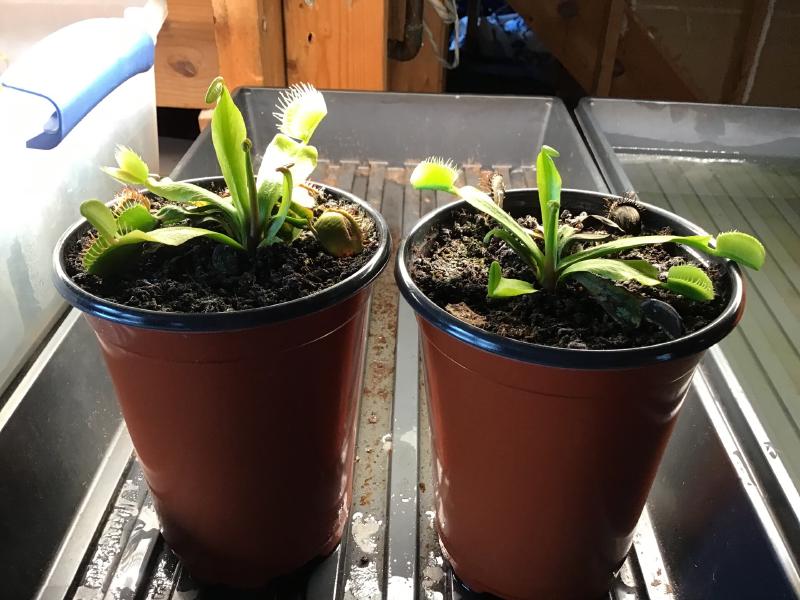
x=225 y=321
x=569 y=358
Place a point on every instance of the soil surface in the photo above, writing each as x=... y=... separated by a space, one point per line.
x=202 y=276
x=453 y=273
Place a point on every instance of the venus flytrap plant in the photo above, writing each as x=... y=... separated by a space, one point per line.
x=273 y=207
x=591 y=266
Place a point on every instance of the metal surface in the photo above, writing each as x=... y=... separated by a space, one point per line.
x=724 y=168
x=389 y=548
x=56 y=428
x=400 y=128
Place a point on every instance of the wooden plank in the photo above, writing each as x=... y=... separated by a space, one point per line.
x=347 y=172
x=337 y=45
x=756 y=20
x=204 y=118
x=735 y=63
x=608 y=53
x=412 y=204
x=249 y=36
x=377 y=176
x=424 y=73
x=186 y=54
x=776 y=82
x=392 y=201
x=573 y=34
x=472 y=174
x=320 y=172
x=645 y=70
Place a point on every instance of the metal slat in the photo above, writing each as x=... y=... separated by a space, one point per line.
x=516 y=179
x=764 y=349
x=775 y=191
x=320 y=172
x=346 y=175
x=403 y=496
x=134 y=561
x=109 y=547
x=365 y=563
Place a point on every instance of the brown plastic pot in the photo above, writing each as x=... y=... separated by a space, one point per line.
x=244 y=422
x=544 y=456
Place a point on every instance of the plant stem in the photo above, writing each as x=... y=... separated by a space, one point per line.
x=549 y=273
x=253 y=237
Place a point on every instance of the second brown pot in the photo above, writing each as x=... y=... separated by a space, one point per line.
x=544 y=457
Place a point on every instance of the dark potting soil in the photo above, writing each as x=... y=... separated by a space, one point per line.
x=202 y=276
x=453 y=273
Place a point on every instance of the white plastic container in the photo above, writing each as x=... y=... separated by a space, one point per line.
x=42 y=189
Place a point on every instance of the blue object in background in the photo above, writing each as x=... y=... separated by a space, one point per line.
x=76 y=67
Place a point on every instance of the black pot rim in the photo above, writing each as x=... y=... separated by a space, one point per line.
x=223 y=321
x=687 y=345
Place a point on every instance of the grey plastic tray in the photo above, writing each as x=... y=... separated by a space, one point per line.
x=730 y=167
x=89 y=530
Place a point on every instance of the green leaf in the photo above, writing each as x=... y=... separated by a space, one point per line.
x=300 y=110
x=188 y=193
x=339 y=233
x=227 y=134
x=121 y=176
x=616 y=270
x=300 y=210
x=257 y=216
x=135 y=216
x=700 y=242
x=690 y=281
x=302 y=198
x=282 y=152
x=175 y=236
x=687 y=280
x=482 y=202
x=215 y=90
x=620 y=304
x=106 y=258
x=172 y=213
x=500 y=287
x=182 y=192
x=737 y=246
x=101 y=218
x=435 y=173
x=130 y=169
x=514 y=244
x=286 y=203
x=131 y=163
x=548 y=181
x=742 y=248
